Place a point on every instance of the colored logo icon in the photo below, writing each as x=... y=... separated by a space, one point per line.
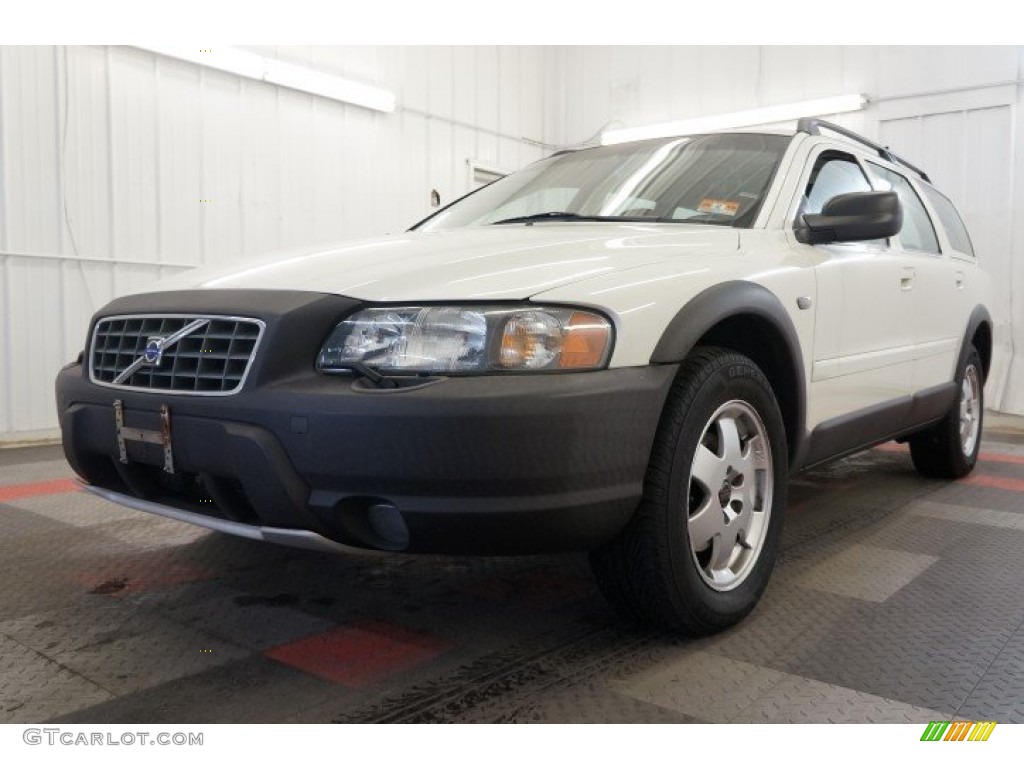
x=958 y=730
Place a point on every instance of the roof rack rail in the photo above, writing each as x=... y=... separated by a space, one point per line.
x=811 y=126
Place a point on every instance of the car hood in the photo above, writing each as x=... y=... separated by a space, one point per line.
x=487 y=263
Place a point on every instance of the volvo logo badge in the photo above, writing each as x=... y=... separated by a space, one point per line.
x=154 y=351
x=155 y=348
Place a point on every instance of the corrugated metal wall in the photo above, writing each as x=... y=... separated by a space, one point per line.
x=118 y=166
x=955 y=111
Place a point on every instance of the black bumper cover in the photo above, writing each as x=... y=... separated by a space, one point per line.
x=473 y=465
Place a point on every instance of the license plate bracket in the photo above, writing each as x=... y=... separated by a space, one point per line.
x=161 y=437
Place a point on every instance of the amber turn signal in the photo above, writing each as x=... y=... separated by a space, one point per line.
x=584 y=341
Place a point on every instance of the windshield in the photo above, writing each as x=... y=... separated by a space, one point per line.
x=716 y=179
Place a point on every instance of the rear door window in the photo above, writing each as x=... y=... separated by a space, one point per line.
x=951 y=221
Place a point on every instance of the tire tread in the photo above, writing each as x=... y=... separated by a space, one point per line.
x=937 y=452
x=634 y=570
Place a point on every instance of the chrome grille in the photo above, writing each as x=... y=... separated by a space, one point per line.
x=213 y=359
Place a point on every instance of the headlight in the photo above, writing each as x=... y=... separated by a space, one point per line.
x=469 y=339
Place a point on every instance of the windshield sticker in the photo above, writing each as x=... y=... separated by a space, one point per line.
x=722 y=207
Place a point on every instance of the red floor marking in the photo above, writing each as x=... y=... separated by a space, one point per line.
x=998 y=458
x=359 y=655
x=893 y=448
x=127 y=578
x=28 y=490
x=1002 y=458
x=993 y=481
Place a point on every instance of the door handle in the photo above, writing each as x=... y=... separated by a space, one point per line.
x=959 y=280
x=907 y=278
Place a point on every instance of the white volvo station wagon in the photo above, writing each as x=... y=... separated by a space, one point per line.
x=625 y=350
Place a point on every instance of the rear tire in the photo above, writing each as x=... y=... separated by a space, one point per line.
x=698 y=553
x=949 y=449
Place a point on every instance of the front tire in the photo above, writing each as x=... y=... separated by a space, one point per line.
x=949 y=450
x=700 y=549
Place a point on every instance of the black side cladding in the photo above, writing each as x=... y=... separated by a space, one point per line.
x=980 y=320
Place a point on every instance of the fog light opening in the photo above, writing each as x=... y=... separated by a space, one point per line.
x=369 y=521
x=387 y=522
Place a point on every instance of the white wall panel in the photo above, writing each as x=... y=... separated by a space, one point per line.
x=464 y=144
x=34 y=339
x=539 y=94
x=86 y=163
x=32 y=190
x=167 y=164
x=595 y=70
x=412 y=195
x=916 y=69
x=488 y=79
x=294 y=212
x=440 y=167
x=508 y=90
x=220 y=164
x=261 y=170
x=179 y=178
x=134 y=160
x=328 y=172
x=627 y=75
x=413 y=88
x=655 y=61
x=441 y=82
x=464 y=75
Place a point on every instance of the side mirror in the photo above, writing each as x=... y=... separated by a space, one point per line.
x=853 y=217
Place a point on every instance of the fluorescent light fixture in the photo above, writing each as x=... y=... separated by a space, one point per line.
x=749 y=117
x=276 y=72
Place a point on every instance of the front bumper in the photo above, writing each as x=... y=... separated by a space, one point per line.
x=475 y=465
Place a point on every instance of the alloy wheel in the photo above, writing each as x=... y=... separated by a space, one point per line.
x=730 y=495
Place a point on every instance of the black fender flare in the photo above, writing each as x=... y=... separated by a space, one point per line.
x=979 y=316
x=732 y=299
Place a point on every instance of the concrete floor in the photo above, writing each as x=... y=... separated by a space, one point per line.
x=896 y=599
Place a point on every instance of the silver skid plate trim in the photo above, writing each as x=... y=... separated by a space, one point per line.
x=289 y=537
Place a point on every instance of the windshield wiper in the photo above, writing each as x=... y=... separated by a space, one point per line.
x=697 y=218
x=568 y=216
x=548 y=216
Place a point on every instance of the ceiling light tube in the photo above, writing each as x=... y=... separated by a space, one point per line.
x=255 y=67
x=749 y=117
